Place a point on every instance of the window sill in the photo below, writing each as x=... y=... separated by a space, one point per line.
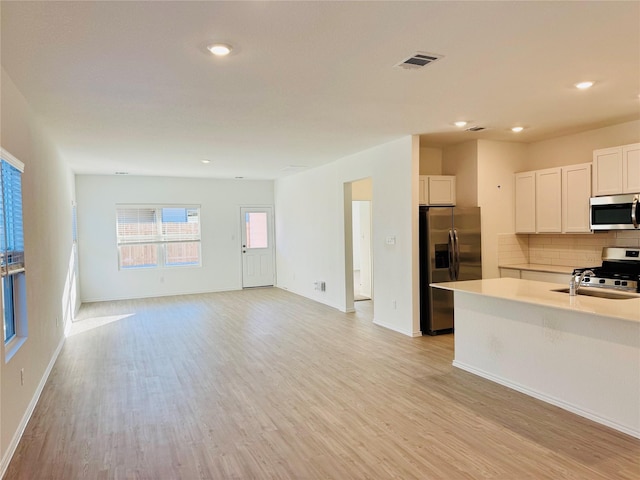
x=12 y=347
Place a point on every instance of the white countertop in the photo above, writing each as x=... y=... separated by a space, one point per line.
x=540 y=293
x=539 y=267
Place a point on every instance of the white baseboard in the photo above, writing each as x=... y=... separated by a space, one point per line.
x=6 y=459
x=394 y=328
x=159 y=295
x=548 y=399
x=315 y=299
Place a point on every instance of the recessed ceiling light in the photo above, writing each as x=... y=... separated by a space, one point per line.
x=517 y=129
x=584 y=85
x=220 y=49
x=460 y=124
x=205 y=161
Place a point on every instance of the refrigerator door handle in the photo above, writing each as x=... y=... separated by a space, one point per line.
x=452 y=256
x=457 y=251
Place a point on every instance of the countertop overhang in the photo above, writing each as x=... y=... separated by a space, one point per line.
x=541 y=293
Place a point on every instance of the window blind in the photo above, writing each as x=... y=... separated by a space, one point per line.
x=11 y=227
x=152 y=236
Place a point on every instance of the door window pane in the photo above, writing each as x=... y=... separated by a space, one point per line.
x=256 y=229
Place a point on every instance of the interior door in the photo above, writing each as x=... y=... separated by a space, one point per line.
x=258 y=250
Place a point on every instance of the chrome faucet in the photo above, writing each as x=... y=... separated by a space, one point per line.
x=576 y=281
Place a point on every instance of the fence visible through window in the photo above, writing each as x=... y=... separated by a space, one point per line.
x=158 y=236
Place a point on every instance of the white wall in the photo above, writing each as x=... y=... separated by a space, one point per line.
x=310 y=231
x=430 y=161
x=497 y=162
x=48 y=193
x=220 y=202
x=462 y=161
x=578 y=148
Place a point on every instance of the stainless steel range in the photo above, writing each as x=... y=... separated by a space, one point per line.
x=620 y=270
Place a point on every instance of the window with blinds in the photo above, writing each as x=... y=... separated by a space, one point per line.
x=158 y=236
x=12 y=247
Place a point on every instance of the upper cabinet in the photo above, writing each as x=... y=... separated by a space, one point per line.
x=616 y=170
x=548 y=200
x=631 y=168
x=576 y=191
x=553 y=200
x=437 y=190
x=525 y=202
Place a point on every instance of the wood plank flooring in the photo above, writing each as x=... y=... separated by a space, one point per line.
x=264 y=384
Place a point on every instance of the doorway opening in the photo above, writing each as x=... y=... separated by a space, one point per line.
x=361 y=222
x=358 y=246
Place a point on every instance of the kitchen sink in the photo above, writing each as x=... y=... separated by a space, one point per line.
x=600 y=292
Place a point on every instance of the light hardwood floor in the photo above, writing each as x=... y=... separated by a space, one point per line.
x=264 y=384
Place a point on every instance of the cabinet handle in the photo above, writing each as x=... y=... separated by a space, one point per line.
x=452 y=257
x=457 y=249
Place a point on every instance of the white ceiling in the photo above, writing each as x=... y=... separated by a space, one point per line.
x=129 y=86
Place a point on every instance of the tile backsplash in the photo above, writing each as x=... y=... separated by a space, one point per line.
x=577 y=250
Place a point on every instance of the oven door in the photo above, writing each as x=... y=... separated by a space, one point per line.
x=617 y=212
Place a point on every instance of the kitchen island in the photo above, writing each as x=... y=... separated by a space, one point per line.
x=580 y=353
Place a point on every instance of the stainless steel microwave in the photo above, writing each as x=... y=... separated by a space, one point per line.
x=617 y=212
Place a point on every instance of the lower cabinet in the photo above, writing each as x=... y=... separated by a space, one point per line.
x=537 y=275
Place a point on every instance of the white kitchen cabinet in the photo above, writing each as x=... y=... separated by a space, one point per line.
x=442 y=189
x=549 y=277
x=576 y=191
x=553 y=200
x=525 y=207
x=423 y=189
x=437 y=190
x=616 y=170
x=631 y=168
x=549 y=200
x=509 y=272
x=537 y=275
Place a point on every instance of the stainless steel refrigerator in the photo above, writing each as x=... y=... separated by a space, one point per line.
x=450 y=249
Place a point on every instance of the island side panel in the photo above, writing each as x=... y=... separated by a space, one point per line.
x=584 y=363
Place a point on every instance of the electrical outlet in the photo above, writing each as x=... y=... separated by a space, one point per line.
x=22 y=376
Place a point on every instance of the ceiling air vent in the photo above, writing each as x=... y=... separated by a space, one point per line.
x=418 y=60
x=475 y=128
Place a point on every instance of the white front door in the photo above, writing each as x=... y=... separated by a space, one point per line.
x=258 y=250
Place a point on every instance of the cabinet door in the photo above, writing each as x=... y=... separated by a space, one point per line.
x=607 y=171
x=631 y=168
x=509 y=272
x=442 y=190
x=423 y=185
x=576 y=191
x=525 y=202
x=549 y=200
x=546 y=276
